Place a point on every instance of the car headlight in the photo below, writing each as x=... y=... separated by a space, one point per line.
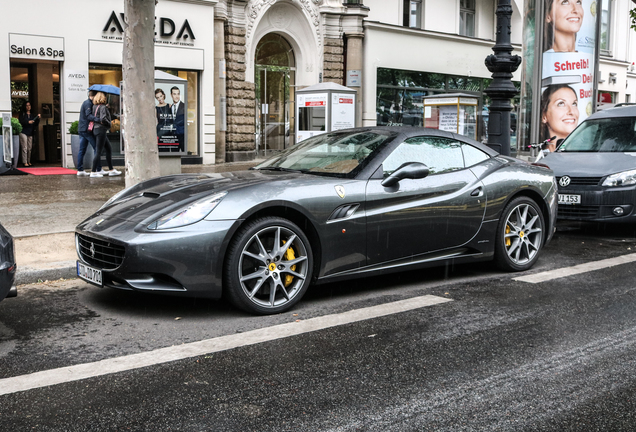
x=188 y=215
x=624 y=178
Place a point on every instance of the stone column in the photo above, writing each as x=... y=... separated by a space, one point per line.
x=241 y=99
x=355 y=63
x=333 y=65
x=220 y=101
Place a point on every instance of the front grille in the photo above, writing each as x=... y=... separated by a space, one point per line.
x=583 y=181
x=99 y=253
x=578 y=212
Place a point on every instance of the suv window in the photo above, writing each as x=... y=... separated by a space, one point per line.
x=616 y=134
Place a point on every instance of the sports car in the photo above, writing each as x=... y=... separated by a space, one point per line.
x=340 y=205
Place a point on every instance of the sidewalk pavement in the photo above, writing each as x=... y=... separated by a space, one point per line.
x=41 y=213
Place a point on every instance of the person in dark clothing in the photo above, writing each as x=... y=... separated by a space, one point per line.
x=178 y=113
x=86 y=136
x=29 y=122
x=101 y=127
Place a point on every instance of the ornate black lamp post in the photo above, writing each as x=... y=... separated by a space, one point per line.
x=502 y=64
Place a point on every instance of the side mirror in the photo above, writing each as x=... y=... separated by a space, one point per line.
x=409 y=170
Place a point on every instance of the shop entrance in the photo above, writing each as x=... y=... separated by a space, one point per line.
x=38 y=82
x=275 y=77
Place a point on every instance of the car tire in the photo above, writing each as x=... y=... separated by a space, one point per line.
x=520 y=235
x=269 y=266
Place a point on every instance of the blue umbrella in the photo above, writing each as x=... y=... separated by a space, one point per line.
x=105 y=88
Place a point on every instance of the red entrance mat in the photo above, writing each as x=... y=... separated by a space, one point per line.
x=48 y=171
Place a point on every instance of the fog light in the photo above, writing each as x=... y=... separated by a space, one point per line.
x=618 y=211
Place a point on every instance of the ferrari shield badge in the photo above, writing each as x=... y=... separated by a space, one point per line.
x=340 y=190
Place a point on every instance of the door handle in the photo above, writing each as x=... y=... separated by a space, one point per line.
x=477 y=192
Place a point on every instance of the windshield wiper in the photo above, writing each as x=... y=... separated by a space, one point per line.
x=270 y=168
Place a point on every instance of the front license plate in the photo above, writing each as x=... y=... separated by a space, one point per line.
x=89 y=274
x=569 y=199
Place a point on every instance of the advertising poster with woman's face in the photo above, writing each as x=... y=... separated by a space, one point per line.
x=170 y=114
x=568 y=65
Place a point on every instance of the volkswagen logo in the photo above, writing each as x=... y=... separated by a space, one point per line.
x=92 y=249
x=565 y=181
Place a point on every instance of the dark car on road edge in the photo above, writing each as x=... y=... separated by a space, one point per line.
x=7 y=265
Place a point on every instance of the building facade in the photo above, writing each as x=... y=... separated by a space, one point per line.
x=243 y=61
x=55 y=52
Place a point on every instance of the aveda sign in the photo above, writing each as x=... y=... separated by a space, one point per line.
x=167 y=31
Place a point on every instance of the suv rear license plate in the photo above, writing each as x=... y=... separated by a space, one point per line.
x=89 y=274
x=569 y=199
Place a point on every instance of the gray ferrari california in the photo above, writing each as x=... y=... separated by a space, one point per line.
x=340 y=205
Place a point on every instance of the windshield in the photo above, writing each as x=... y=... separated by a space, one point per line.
x=341 y=154
x=617 y=134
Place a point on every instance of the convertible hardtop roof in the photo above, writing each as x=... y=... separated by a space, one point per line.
x=412 y=131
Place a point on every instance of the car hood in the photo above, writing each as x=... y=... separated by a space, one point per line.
x=589 y=164
x=149 y=200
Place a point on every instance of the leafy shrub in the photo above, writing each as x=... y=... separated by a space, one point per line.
x=15 y=124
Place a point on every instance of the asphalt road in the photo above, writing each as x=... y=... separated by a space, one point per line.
x=490 y=353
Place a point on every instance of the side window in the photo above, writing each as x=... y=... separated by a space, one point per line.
x=438 y=154
x=472 y=155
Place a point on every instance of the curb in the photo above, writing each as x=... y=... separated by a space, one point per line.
x=31 y=275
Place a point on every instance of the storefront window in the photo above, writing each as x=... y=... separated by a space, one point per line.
x=400 y=97
x=192 y=116
x=110 y=75
x=103 y=74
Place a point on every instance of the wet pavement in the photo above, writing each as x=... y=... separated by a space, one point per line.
x=41 y=212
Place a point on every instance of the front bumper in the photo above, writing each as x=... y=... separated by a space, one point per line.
x=598 y=204
x=187 y=261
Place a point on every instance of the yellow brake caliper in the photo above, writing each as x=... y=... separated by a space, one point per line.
x=508 y=242
x=289 y=255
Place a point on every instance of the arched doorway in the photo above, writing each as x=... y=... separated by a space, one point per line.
x=274 y=78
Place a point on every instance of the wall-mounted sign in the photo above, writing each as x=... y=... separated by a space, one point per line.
x=170 y=110
x=354 y=78
x=167 y=31
x=20 y=94
x=36 y=47
x=76 y=85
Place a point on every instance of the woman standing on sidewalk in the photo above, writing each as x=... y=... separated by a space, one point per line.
x=100 y=128
x=29 y=122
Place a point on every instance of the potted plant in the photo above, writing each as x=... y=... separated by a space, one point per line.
x=73 y=130
x=16 y=129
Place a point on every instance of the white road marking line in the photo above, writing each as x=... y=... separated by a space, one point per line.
x=577 y=269
x=208 y=346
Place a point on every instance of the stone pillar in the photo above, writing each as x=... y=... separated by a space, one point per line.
x=333 y=64
x=241 y=99
x=220 y=101
x=355 y=63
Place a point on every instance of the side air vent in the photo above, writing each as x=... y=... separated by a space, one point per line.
x=343 y=212
x=150 y=195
